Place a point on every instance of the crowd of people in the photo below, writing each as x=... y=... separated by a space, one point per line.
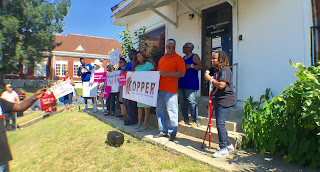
x=178 y=81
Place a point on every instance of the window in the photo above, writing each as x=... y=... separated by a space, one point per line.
x=61 y=67
x=40 y=68
x=315 y=33
x=156 y=44
x=76 y=65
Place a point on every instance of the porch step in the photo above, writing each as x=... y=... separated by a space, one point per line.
x=199 y=132
x=230 y=126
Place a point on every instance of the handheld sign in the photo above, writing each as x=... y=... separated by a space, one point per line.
x=62 y=89
x=107 y=91
x=122 y=79
x=114 y=56
x=48 y=102
x=100 y=77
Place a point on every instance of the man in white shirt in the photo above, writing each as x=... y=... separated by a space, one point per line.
x=13 y=97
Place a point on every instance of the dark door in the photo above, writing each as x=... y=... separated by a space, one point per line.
x=216 y=35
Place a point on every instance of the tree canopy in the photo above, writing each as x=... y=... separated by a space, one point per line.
x=27 y=28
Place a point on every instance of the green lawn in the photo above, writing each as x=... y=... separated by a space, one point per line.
x=74 y=141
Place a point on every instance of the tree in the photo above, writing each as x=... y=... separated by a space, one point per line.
x=27 y=29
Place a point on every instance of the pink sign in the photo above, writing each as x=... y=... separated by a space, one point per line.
x=100 y=77
x=107 y=91
x=122 y=79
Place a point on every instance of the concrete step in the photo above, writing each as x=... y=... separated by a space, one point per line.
x=230 y=126
x=199 y=132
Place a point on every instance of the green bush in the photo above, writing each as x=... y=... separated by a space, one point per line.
x=287 y=124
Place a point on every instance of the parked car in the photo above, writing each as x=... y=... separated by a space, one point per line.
x=21 y=95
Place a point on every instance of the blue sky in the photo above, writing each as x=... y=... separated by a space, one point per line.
x=92 y=17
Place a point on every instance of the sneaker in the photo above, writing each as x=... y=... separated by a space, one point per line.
x=104 y=110
x=172 y=137
x=107 y=113
x=183 y=122
x=95 y=110
x=86 y=107
x=195 y=124
x=160 y=135
x=221 y=153
x=112 y=113
x=230 y=148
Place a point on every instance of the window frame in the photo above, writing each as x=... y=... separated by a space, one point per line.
x=61 y=71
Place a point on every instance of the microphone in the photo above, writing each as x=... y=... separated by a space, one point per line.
x=206 y=83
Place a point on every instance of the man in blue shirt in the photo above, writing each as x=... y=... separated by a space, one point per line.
x=85 y=72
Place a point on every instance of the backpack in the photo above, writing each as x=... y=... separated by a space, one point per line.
x=114 y=138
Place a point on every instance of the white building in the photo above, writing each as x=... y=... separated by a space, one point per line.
x=259 y=35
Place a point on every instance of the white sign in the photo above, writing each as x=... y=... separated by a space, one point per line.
x=114 y=56
x=62 y=89
x=216 y=43
x=89 y=89
x=142 y=87
x=113 y=81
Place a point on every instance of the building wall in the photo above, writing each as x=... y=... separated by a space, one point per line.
x=273 y=32
x=71 y=61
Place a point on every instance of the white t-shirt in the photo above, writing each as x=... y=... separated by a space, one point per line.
x=11 y=97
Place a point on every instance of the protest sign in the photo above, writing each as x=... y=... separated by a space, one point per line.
x=89 y=89
x=113 y=81
x=100 y=77
x=48 y=103
x=114 y=56
x=122 y=79
x=62 y=89
x=142 y=87
x=107 y=91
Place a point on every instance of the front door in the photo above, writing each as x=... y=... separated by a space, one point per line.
x=216 y=35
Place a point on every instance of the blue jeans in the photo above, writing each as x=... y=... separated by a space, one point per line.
x=131 y=107
x=111 y=100
x=167 y=104
x=221 y=114
x=4 y=167
x=187 y=97
x=68 y=99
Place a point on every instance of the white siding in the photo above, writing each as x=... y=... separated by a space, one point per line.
x=273 y=31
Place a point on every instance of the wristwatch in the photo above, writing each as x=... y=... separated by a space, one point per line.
x=191 y=66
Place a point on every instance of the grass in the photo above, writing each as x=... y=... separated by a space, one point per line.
x=31 y=90
x=74 y=141
x=29 y=117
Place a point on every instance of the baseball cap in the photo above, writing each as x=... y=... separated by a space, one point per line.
x=8 y=85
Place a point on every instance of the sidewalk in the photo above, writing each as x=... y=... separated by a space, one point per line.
x=239 y=160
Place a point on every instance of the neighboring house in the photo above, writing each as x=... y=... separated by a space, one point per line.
x=66 y=56
x=259 y=36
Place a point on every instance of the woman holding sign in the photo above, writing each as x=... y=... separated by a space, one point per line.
x=123 y=115
x=142 y=64
x=68 y=98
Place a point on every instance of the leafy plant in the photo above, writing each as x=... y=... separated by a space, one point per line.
x=128 y=41
x=287 y=124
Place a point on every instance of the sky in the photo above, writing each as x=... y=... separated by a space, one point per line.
x=92 y=18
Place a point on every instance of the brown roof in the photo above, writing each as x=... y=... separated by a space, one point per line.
x=90 y=44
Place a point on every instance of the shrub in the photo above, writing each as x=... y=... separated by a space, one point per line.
x=287 y=124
